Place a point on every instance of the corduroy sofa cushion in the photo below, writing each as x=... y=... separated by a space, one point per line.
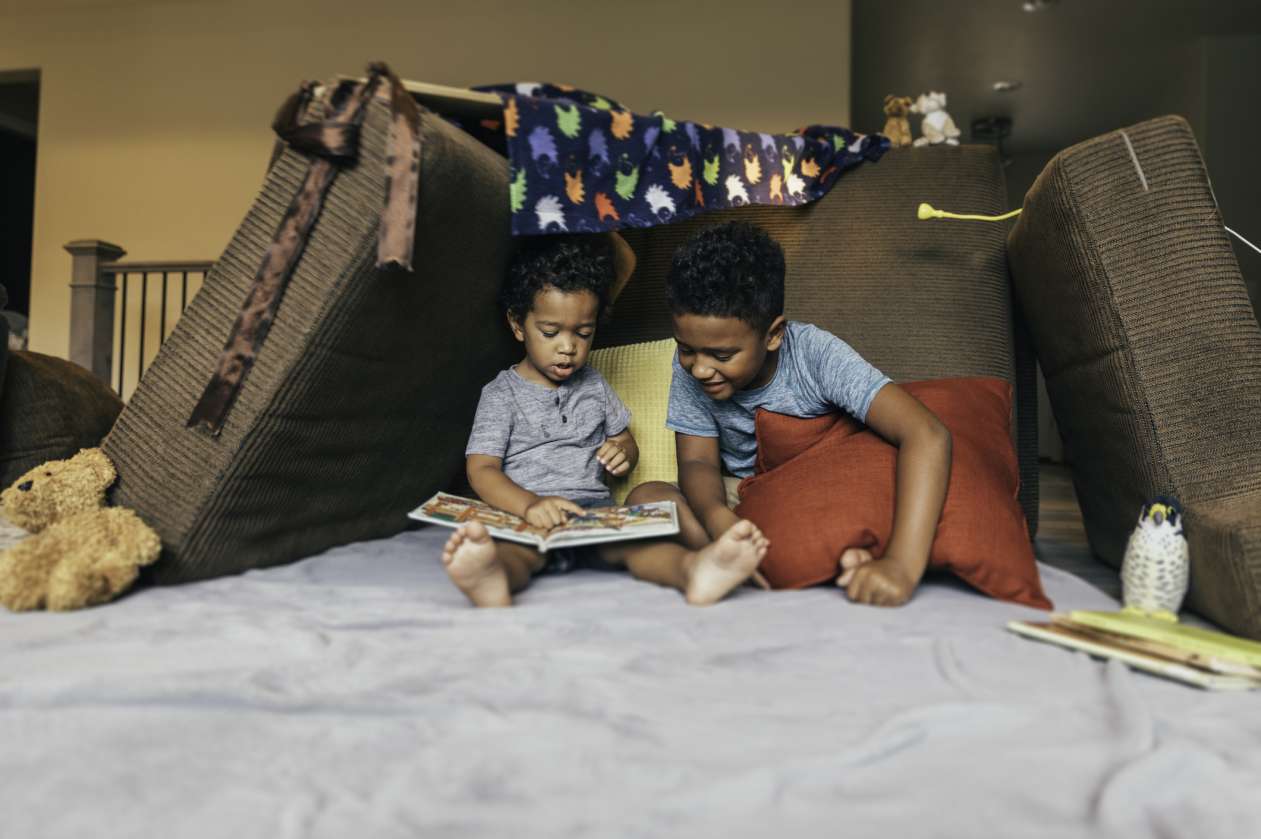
x=50 y=409
x=1151 y=351
x=919 y=300
x=359 y=403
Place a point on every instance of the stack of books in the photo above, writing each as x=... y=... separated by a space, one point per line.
x=1195 y=656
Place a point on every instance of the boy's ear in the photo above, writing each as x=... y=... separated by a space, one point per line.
x=775 y=334
x=517 y=331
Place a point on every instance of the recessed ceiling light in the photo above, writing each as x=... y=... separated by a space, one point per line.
x=1037 y=5
x=1007 y=85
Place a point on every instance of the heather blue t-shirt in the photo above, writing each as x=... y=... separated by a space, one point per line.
x=548 y=437
x=818 y=373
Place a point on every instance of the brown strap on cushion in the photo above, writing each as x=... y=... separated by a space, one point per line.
x=337 y=141
x=397 y=232
x=332 y=142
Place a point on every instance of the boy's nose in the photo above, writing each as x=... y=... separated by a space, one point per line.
x=700 y=371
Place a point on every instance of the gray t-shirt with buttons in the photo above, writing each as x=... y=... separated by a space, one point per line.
x=548 y=437
x=818 y=373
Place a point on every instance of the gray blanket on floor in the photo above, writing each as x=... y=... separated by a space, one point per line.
x=356 y=694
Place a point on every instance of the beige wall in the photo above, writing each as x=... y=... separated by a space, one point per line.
x=153 y=125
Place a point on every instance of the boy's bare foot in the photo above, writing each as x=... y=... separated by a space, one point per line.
x=850 y=560
x=474 y=567
x=725 y=563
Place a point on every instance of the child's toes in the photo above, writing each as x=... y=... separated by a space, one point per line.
x=854 y=557
x=851 y=560
x=452 y=545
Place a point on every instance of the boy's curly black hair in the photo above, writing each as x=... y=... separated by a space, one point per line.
x=730 y=270
x=566 y=263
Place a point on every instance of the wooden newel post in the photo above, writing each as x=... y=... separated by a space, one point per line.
x=92 y=305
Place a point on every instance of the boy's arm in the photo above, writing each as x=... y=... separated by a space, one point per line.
x=700 y=479
x=923 y=473
x=486 y=476
x=619 y=454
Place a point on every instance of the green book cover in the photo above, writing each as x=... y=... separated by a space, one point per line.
x=1183 y=637
x=1098 y=644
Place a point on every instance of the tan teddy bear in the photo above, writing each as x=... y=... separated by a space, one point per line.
x=82 y=553
x=897 y=127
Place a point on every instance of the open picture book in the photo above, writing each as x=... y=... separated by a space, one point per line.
x=596 y=526
x=1188 y=654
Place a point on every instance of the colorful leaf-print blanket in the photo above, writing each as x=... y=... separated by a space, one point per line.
x=581 y=162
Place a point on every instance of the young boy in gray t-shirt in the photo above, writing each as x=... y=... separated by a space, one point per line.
x=546 y=431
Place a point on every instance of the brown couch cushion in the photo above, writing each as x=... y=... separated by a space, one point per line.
x=1224 y=536
x=919 y=300
x=360 y=401
x=50 y=409
x=1151 y=351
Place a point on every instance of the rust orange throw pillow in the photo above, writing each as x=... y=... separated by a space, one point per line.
x=827 y=483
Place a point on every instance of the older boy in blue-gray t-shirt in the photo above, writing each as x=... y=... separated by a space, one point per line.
x=816 y=374
x=736 y=354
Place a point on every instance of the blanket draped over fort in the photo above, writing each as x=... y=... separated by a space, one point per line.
x=583 y=163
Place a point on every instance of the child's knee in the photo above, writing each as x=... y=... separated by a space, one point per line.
x=647 y=493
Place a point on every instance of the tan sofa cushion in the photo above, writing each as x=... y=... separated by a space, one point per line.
x=50 y=409
x=360 y=401
x=1151 y=351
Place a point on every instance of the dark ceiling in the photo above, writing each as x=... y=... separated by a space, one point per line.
x=1085 y=66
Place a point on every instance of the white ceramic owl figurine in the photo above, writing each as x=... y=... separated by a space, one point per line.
x=1155 y=570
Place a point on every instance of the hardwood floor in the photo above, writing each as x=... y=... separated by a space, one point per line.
x=1061 y=538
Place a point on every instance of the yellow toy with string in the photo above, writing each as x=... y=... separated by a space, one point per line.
x=927 y=211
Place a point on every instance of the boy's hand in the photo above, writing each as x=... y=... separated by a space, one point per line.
x=875 y=582
x=613 y=457
x=550 y=510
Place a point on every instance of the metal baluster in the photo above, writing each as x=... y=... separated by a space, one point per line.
x=122 y=336
x=184 y=292
x=144 y=293
x=162 y=322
